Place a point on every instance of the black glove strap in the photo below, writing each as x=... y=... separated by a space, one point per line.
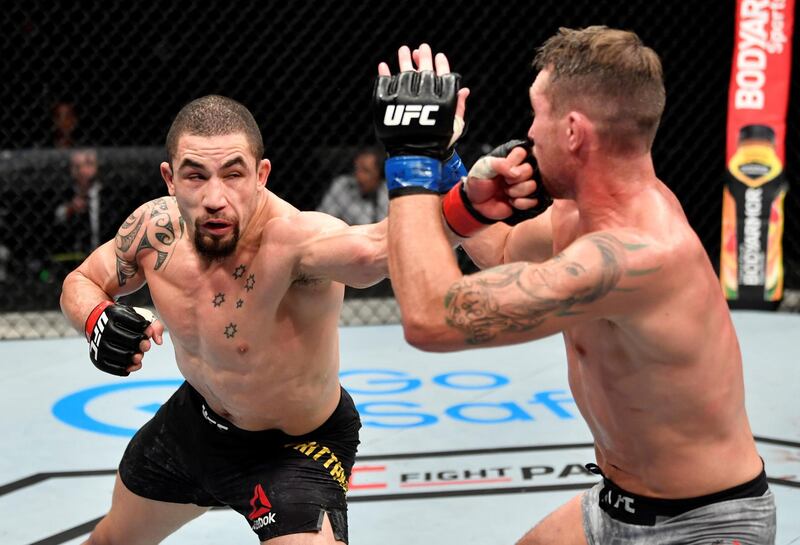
x=543 y=198
x=462 y=192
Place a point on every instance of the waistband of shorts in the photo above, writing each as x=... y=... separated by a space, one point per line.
x=631 y=508
x=212 y=420
x=217 y=423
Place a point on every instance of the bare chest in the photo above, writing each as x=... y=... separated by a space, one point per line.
x=227 y=305
x=600 y=344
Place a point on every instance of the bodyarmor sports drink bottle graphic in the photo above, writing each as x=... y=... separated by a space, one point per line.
x=751 y=264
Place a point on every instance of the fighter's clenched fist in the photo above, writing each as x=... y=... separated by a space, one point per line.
x=116 y=333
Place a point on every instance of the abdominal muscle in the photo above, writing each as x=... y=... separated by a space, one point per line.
x=289 y=386
x=665 y=431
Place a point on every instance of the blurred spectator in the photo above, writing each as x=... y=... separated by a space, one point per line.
x=65 y=125
x=79 y=219
x=360 y=197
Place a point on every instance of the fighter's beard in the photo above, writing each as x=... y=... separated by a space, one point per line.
x=215 y=248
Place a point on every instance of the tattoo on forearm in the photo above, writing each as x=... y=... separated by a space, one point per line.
x=473 y=304
x=159 y=235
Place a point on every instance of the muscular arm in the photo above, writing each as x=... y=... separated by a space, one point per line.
x=598 y=275
x=530 y=240
x=353 y=255
x=113 y=269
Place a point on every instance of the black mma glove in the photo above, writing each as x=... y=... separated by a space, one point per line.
x=414 y=115
x=462 y=217
x=114 y=333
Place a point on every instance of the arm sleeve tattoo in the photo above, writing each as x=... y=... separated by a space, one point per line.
x=521 y=296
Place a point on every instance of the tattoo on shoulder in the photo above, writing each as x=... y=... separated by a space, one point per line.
x=154 y=226
x=473 y=304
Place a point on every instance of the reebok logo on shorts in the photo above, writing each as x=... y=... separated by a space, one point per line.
x=261 y=515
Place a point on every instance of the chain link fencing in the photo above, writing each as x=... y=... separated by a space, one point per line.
x=110 y=76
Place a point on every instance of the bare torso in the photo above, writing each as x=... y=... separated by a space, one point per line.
x=257 y=341
x=661 y=388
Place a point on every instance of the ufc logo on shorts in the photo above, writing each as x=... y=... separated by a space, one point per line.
x=97 y=332
x=402 y=114
x=621 y=501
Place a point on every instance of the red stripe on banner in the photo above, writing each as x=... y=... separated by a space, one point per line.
x=762 y=59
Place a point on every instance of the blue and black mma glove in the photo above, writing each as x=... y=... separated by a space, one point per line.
x=114 y=332
x=414 y=114
x=459 y=212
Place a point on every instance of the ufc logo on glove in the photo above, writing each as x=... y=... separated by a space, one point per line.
x=403 y=114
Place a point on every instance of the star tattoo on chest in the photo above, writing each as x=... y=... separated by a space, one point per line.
x=239 y=272
x=230 y=330
x=218 y=299
x=251 y=281
x=239 y=303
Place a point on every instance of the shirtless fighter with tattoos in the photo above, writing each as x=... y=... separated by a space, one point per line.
x=613 y=265
x=250 y=290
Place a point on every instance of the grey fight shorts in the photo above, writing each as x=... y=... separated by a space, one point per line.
x=742 y=515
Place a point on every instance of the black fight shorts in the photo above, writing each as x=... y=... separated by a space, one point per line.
x=281 y=484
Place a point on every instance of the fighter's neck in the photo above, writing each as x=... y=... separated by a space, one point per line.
x=252 y=232
x=608 y=192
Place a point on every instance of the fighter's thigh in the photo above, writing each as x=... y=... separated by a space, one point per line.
x=564 y=526
x=134 y=520
x=323 y=537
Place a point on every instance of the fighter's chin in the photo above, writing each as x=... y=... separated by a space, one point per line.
x=555 y=190
x=213 y=247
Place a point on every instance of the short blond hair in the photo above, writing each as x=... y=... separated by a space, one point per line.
x=611 y=76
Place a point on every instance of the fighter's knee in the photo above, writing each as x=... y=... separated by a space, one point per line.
x=99 y=537
x=94 y=540
x=529 y=539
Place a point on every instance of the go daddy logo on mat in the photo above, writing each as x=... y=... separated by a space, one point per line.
x=379 y=398
x=383 y=398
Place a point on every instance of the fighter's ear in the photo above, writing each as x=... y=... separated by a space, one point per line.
x=576 y=130
x=166 y=173
x=264 y=168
